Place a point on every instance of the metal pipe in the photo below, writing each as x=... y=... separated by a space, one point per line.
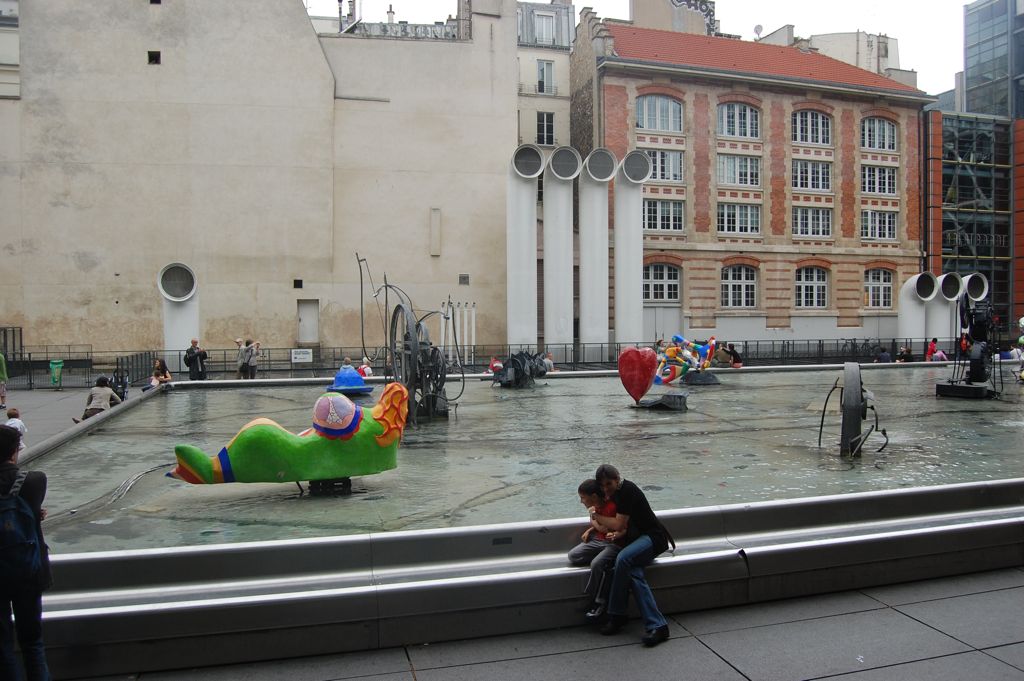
x=563 y=166
x=599 y=169
x=633 y=171
x=940 y=311
x=915 y=292
x=521 y=245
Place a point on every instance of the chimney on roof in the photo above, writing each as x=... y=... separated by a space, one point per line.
x=391 y=14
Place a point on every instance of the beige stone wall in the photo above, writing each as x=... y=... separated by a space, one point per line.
x=430 y=125
x=530 y=103
x=234 y=157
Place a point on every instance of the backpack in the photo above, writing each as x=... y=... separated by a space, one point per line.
x=20 y=548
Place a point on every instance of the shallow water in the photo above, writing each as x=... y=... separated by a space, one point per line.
x=519 y=455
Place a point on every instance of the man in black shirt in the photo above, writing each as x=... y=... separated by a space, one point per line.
x=633 y=513
x=24 y=598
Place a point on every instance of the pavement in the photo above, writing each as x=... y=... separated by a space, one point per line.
x=965 y=627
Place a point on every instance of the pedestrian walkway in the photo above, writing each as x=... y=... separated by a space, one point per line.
x=47 y=412
x=965 y=627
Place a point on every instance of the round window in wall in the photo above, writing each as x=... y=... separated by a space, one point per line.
x=177 y=282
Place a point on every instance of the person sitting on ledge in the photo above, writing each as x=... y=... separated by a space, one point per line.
x=905 y=355
x=883 y=357
x=101 y=398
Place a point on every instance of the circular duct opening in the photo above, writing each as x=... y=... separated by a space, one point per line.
x=601 y=165
x=636 y=167
x=951 y=286
x=177 y=282
x=977 y=286
x=527 y=161
x=565 y=163
x=925 y=285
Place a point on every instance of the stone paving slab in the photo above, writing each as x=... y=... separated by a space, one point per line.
x=532 y=644
x=830 y=645
x=46 y=412
x=775 y=612
x=681 y=659
x=370 y=664
x=974 y=666
x=946 y=587
x=1013 y=654
x=984 y=620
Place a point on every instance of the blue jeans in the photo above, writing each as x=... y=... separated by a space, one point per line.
x=27 y=604
x=629 y=572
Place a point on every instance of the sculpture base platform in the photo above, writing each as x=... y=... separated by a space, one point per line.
x=330 y=488
x=701 y=378
x=673 y=401
x=967 y=391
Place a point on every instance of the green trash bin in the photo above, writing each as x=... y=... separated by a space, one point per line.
x=56 y=371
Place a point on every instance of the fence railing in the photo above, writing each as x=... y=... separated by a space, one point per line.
x=80 y=365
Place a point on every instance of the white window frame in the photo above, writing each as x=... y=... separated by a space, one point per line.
x=659 y=112
x=812 y=127
x=879 y=225
x=812 y=176
x=545 y=77
x=878 y=133
x=739 y=218
x=666 y=166
x=545 y=128
x=661 y=283
x=544 y=31
x=878 y=289
x=811 y=288
x=739 y=120
x=739 y=287
x=666 y=215
x=744 y=171
x=878 y=180
x=812 y=222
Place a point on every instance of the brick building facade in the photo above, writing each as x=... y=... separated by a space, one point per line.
x=786 y=197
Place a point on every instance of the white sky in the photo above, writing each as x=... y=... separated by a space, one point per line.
x=930 y=32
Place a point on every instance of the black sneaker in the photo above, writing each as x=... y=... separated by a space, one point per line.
x=653 y=638
x=614 y=623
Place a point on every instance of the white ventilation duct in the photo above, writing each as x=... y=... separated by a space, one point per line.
x=521 y=245
x=598 y=170
x=562 y=167
x=914 y=293
x=976 y=286
x=634 y=170
x=940 y=312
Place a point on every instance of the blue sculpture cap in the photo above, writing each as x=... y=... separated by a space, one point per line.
x=348 y=381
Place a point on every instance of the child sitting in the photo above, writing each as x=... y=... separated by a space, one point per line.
x=154 y=381
x=596 y=549
x=14 y=421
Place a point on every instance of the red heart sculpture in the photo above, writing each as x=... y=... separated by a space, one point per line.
x=636 y=370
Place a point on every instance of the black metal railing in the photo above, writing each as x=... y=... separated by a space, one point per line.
x=78 y=366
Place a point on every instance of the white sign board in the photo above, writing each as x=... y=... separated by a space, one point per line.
x=302 y=355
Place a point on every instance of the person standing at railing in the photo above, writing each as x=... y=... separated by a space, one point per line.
x=932 y=347
x=195 y=360
x=3 y=381
x=242 y=361
x=254 y=356
x=26 y=565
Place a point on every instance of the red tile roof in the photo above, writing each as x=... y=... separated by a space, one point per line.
x=742 y=56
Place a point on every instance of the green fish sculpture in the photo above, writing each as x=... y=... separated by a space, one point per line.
x=345 y=441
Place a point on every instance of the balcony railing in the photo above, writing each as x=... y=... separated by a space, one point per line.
x=543 y=89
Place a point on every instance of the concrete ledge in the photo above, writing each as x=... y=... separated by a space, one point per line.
x=131 y=611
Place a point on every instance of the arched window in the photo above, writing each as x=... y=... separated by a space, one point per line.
x=878 y=288
x=661 y=283
x=659 y=112
x=812 y=127
x=878 y=133
x=739 y=286
x=739 y=120
x=811 y=287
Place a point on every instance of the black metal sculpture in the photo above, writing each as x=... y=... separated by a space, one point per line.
x=521 y=370
x=854 y=400
x=979 y=341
